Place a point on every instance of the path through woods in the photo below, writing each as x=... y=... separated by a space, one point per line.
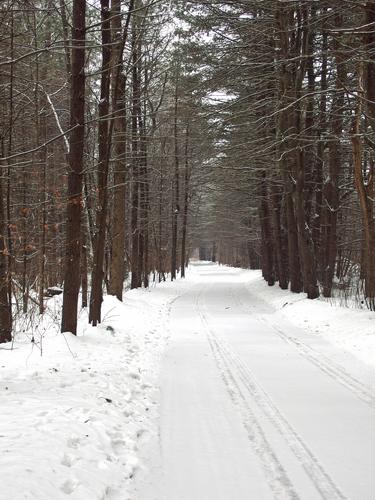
x=252 y=407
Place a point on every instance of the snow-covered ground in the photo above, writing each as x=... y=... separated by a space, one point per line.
x=255 y=403
x=262 y=394
x=71 y=420
x=349 y=329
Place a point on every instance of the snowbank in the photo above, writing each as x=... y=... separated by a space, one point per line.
x=349 y=329
x=71 y=420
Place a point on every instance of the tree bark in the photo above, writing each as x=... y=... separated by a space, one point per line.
x=319 y=163
x=43 y=155
x=144 y=203
x=365 y=190
x=302 y=50
x=117 y=267
x=176 y=190
x=268 y=268
x=5 y=307
x=136 y=271
x=74 y=208
x=364 y=181
x=331 y=189
x=186 y=202
x=281 y=256
x=84 y=270
x=286 y=131
x=96 y=297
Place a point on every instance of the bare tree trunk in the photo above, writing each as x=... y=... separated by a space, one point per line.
x=176 y=190
x=96 y=297
x=144 y=204
x=101 y=259
x=143 y=201
x=369 y=39
x=117 y=267
x=332 y=189
x=365 y=189
x=9 y=244
x=186 y=202
x=84 y=270
x=5 y=306
x=25 y=235
x=286 y=129
x=74 y=208
x=281 y=257
x=42 y=133
x=136 y=277
x=268 y=267
x=364 y=181
x=318 y=173
x=303 y=157
x=304 y=237
x=160 y=252
x=43 y=220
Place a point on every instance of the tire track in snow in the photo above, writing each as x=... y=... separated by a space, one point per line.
x=275 y=474
x=320 y=478
x=321 y=361
x=235 y=370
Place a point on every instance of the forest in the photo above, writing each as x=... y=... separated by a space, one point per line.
x=136 y=133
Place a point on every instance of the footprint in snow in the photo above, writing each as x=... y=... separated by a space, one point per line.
x=141 y=432
x=118 y=445
x=73 y=442
x=64 y=385
x=69 y=486
x=67 y=460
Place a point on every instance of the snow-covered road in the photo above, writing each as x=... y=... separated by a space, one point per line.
x=252 y=407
